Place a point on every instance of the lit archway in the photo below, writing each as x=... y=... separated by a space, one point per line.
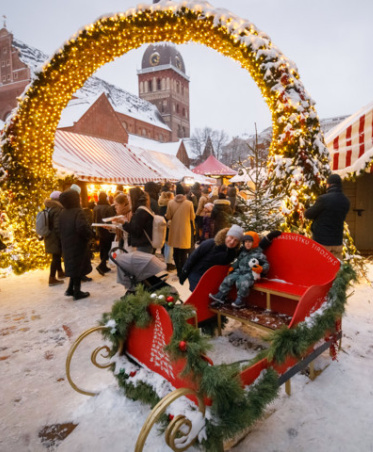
x=298 y=157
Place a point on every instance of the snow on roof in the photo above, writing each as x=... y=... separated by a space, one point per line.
x=212 y=167
x=75 y=109
x=121 y=100
x=350 y=143
x=188 y=146
x=170 y=148
x=97 y=160
x=169 y=166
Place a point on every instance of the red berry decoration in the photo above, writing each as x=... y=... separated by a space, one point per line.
x=183 y=346
x=132 y=374
x=170 y=299
x=170 y=417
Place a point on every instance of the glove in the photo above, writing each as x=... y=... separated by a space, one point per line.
x=183 y=277
x=272 y=235
x=257 y=269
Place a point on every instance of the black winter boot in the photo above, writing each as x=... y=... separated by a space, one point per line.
x=218 y=299
x=238 y=303
x=78 y=294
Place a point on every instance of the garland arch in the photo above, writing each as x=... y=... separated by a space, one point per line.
x=298 y=159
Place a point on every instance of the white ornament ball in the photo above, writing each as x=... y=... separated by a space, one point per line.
x=161 y=297
x=153 y=296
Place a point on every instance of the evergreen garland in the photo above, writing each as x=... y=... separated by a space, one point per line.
x=234 y=407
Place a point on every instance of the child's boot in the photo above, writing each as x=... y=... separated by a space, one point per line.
x=238 y=303
x=218 y=299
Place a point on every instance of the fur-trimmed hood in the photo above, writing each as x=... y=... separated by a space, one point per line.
x=49 y=203
x=222 y=202
x=220 y=237
x=180 y=198
x=164 y=198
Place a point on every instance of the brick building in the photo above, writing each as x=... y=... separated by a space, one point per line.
x=164 y=83
x=135 y=115
x=14 y=74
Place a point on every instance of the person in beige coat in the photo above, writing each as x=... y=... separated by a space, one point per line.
x=181 y=214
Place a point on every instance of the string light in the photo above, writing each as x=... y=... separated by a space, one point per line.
x=28 y=140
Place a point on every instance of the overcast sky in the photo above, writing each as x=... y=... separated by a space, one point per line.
x=329 y=40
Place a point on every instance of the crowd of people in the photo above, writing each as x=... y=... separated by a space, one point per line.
x=200 y=232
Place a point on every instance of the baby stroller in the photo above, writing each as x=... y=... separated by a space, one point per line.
x=136 y=267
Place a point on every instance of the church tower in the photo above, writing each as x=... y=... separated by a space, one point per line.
x=164 y=83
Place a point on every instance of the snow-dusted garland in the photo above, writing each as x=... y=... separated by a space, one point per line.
x=233 y=408
x=298 y=157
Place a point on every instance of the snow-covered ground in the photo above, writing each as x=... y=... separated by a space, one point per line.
x=38 y=325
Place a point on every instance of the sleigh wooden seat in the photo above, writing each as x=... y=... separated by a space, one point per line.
x=300 y=276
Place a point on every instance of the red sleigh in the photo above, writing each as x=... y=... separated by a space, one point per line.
x=300 y=277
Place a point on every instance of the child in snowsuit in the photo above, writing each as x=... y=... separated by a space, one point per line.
x=249 y=266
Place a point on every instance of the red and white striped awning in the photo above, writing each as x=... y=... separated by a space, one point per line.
x=97 y=160
x=350 y=143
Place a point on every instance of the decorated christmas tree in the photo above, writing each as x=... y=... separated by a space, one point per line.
x=260 y=211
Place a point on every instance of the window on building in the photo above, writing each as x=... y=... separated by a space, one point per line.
x=184 y=112
x=3 y=64
x=150 y=85
x=159 y=84
x=177 y=87
x=144 y=132
x=177 y=108
x=15 y=75
x=182 y=90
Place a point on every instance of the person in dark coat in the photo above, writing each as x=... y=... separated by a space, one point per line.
x=75 y=233
x=231 y=196
x=220 y=215
x=328 y=214
x=103 y=210
x=141 y=221
x=197 y=192
x=167 y=250
x=153 y=189
x=221 y=250
x=52 y=241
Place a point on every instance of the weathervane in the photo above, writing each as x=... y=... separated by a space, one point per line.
x=4 y=17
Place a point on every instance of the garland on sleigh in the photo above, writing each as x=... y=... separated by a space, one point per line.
x=234 y=408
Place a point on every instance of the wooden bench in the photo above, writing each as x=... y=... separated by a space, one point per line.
x=300 y=277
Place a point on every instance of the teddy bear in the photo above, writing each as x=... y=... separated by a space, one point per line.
x=255 y=268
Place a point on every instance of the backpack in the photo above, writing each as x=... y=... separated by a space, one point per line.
x=159 y=230
x=42 y=225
